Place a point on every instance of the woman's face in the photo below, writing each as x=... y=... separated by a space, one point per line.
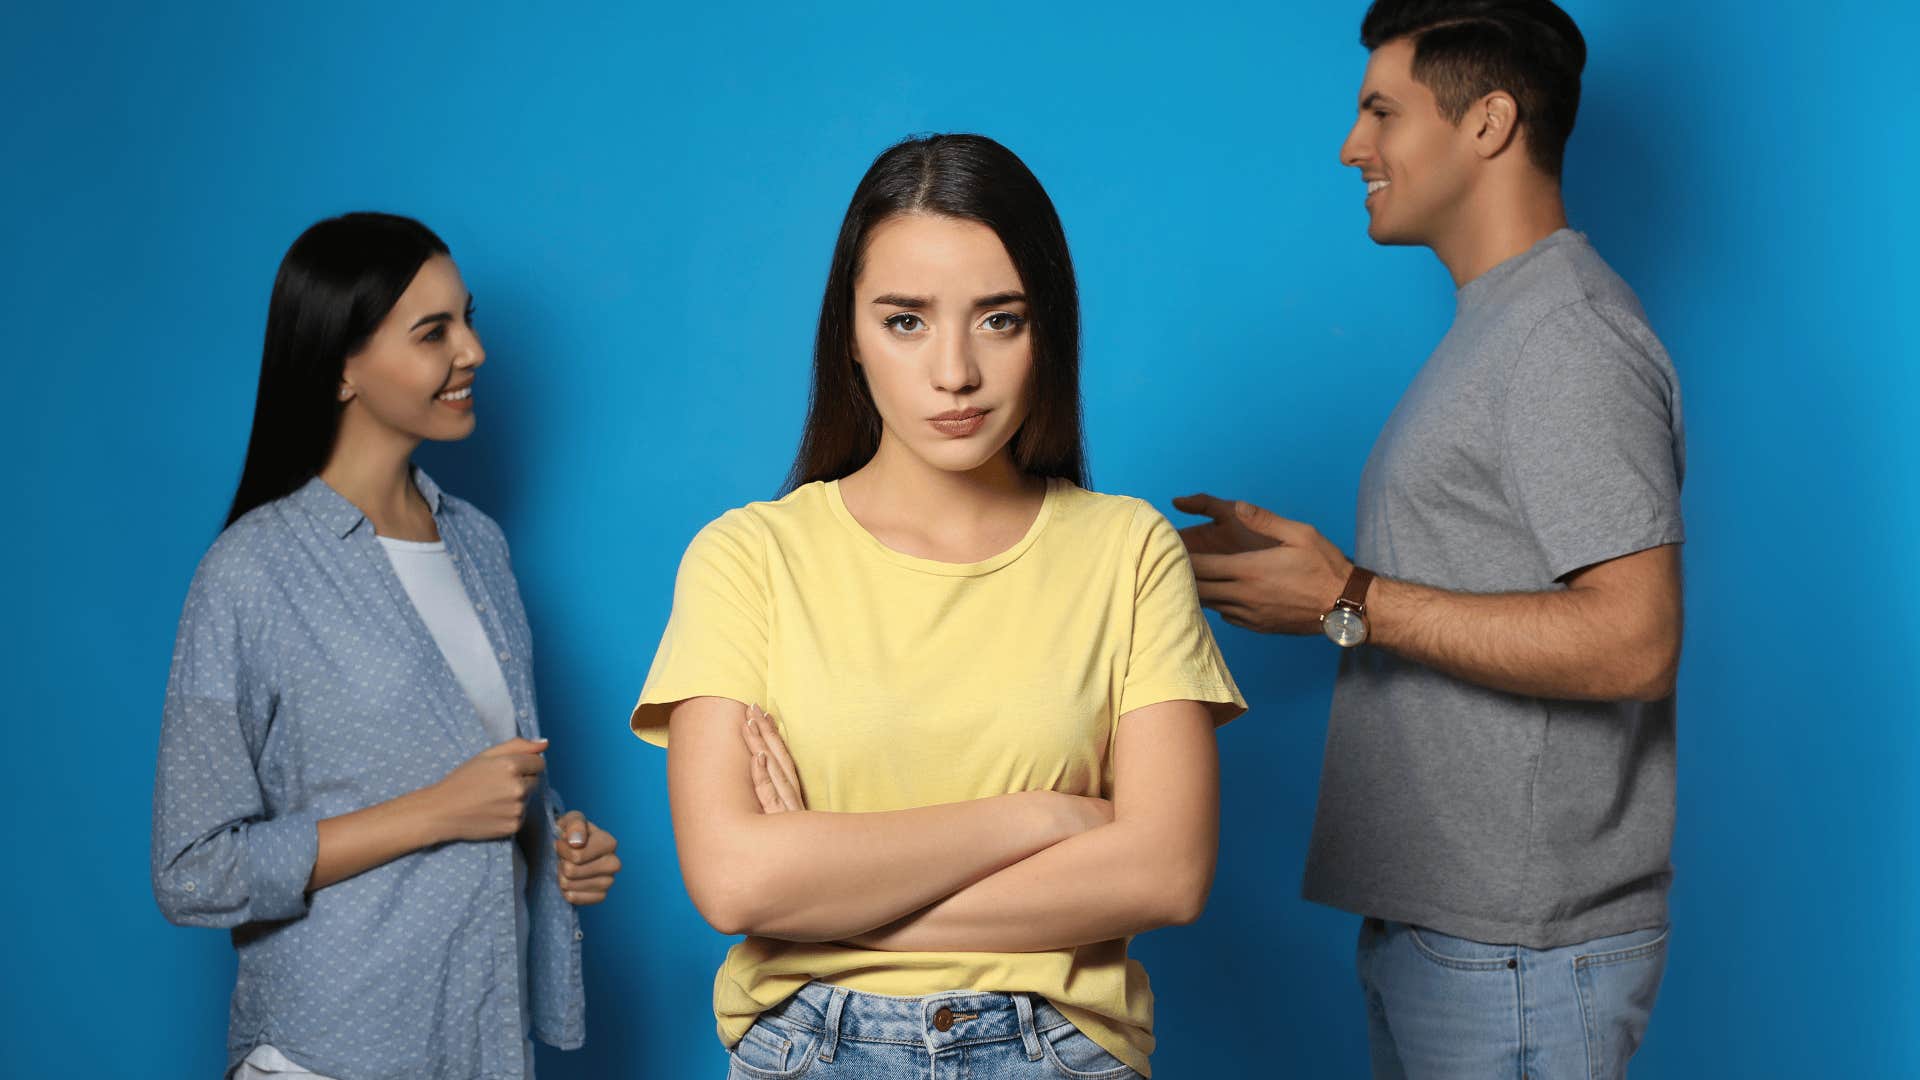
x=940 y=329
x=415 y=375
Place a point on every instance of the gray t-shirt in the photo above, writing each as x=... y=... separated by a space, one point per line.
x=1542 y=436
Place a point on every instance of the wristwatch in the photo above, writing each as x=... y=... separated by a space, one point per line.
x=1345 y=624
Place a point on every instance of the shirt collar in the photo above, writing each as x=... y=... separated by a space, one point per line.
x=340 y=517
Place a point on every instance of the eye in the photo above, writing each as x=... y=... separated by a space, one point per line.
x=906 y=322
x=1001 y=322
x=438 y=333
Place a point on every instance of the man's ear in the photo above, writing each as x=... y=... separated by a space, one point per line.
x=1495 y=121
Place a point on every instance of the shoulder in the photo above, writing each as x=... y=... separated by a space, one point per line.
x=1106 y=514
x=246 y=553
x=1571 y=289
x=802 y=512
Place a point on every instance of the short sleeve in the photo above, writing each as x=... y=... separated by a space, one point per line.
x=1593 y=439
x=715 y=644
x=1173 y=656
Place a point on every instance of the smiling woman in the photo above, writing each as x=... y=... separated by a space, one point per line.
x=941 y=719
x=350 y=774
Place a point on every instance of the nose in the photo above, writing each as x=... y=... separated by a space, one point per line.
x=954 y=371
x=473 y=354
x=1357 y=148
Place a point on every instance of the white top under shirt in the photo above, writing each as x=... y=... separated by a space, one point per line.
x=433 y=584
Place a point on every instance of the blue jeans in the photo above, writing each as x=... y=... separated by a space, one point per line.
x=837 y=1034
x=1440 y=1007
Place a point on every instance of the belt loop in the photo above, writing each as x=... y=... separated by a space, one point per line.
x=831 y=1042
x=1029 y=1032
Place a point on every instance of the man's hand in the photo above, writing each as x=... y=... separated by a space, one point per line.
x=1279 y=583
x=1224 y=535
x=587 y=859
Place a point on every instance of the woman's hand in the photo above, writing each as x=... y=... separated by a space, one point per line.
x=485 y=796
x=776 y=782
x=587 y=859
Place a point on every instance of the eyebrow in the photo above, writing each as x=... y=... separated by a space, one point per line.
x=437 y=317
x=993 y=300
x=1376 y=98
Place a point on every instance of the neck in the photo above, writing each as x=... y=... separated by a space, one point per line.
x=1503 y=219
x=373 y=470
x=901 y=480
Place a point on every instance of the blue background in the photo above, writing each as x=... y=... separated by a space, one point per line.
x=644 y=204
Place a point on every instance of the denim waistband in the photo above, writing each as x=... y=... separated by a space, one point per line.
x=936 y=1021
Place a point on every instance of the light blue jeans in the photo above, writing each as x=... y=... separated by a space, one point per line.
x=837 y=1034
x=1441 y=1007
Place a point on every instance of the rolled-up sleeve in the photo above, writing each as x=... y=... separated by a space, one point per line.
x=220 y=858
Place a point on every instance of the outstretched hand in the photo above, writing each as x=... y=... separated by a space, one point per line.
x=1260 y=570
x=1226 y=534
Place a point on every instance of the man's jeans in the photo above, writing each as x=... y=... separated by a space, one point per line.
x=1441 y=1007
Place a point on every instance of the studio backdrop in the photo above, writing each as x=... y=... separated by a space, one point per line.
x=643 y=199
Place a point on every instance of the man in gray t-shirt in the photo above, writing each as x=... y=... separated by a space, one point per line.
x=1498 y=791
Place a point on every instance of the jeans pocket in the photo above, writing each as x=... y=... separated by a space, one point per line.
x=1462 y=954
x=773 y=1050
x=1074 y=1055
x=1618 y=978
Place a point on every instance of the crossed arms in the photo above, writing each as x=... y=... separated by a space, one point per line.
x=1023 y=872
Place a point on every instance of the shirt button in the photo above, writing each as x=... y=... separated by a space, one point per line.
x=189 y=886
x=479 y=607
x=503 y=655
x=577 y=935
x=523 y=714
x=943 y=1019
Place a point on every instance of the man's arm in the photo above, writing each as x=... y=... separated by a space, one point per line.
x=1612 y=634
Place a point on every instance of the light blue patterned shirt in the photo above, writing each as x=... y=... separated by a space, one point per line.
x=305 y=685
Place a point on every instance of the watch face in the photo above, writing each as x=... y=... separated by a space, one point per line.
x=1344 y=628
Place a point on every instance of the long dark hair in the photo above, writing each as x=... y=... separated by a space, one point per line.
x=976 y=179
x=336 y=284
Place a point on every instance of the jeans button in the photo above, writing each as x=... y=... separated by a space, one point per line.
x=943 y=1019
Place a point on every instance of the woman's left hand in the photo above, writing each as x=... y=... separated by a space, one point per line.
x=776 y=783
x=587 y=859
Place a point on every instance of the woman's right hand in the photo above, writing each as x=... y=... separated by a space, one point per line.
x=485 y=797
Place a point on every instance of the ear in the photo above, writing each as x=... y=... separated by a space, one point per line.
x=346 y=391
x=1495 y=119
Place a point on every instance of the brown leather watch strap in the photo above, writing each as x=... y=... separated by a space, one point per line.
x=1357 y=584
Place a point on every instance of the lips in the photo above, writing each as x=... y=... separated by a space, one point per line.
x=457 y=397
x=959 y=423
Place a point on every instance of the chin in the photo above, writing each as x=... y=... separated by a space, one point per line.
x=961 y=456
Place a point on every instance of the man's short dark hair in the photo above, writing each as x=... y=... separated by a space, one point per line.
x=1467 y=49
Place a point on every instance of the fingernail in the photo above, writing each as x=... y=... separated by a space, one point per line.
x=751 y=726
x=577 y=839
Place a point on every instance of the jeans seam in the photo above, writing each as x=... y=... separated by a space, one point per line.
x=1586 y=1016
x=1622 y=955
x=1487 y=964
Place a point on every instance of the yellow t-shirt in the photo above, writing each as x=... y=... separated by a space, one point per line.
x=901 y=682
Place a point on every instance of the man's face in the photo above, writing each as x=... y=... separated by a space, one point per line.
x=1417 y=166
